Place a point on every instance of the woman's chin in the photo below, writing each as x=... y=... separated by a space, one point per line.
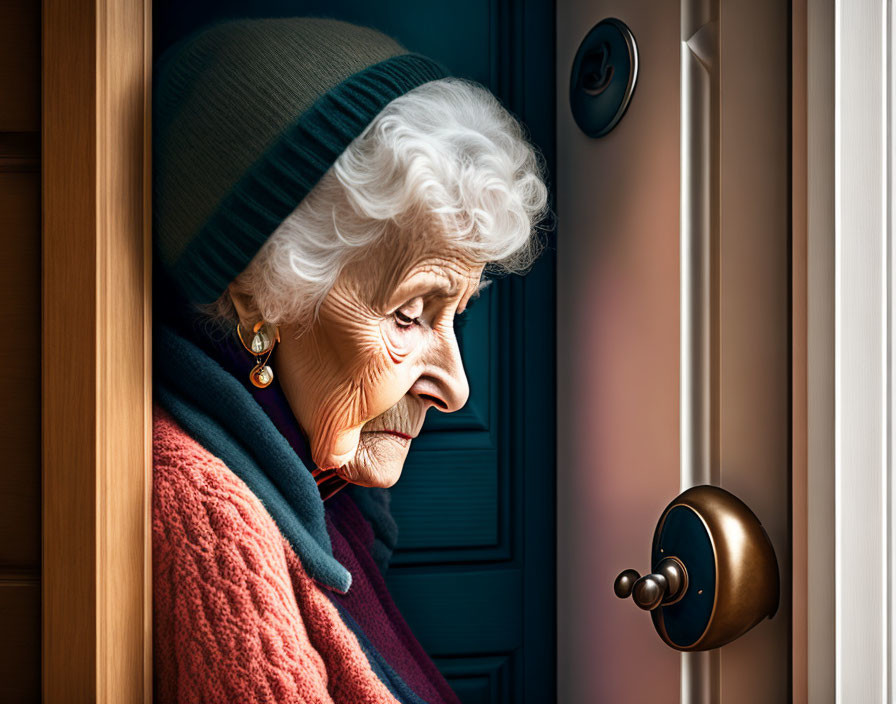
x=379 y=460
x=381 y=480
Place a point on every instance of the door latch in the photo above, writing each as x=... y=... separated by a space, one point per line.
x=714 y=574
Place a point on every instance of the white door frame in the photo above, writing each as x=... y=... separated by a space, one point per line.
x=850 y=351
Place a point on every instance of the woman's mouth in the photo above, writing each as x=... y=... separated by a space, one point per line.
x=404 y=437
x=397 y=433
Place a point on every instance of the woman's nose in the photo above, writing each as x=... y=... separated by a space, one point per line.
x=443 y=383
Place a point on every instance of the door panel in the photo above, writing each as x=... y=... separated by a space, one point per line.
x=474 y=569
x=618 y=360
x=20 y=379
x=20 y=616
x=620 y=288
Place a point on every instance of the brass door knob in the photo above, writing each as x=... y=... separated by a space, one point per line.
x=625 y=582
x=715 y=574
x=665 y=586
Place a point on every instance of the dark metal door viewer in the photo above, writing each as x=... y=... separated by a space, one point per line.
x=604 y=74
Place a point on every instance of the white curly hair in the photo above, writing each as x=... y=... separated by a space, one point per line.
x=445 y=152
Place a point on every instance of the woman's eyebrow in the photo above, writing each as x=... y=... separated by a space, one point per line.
x=442 y=291
x=436 y=287
x=451 y=290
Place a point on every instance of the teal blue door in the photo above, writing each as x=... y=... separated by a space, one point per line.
x=474 y=571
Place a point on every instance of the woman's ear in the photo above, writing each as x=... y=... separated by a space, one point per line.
x=244 y=306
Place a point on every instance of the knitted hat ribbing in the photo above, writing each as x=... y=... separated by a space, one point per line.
x=248 y=115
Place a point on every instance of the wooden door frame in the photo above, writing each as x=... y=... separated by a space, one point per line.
x=96 y=350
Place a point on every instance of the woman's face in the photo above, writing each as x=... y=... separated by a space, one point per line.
x=382 y=351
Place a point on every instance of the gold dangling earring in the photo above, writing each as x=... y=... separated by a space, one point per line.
x=264 y=337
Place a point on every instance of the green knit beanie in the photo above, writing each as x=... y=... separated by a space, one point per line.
x=248 y=115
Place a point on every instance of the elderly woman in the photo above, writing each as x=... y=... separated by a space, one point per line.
x=325 y=205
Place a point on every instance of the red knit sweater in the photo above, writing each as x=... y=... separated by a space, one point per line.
x=236 y=619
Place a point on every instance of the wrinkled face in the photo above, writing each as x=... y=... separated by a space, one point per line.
x=382 y=351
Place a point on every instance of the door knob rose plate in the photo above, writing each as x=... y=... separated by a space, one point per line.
x=715 y=573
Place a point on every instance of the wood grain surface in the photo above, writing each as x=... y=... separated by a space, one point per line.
x=96 y=342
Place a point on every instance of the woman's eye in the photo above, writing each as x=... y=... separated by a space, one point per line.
x=409 y=314
x=404 y=321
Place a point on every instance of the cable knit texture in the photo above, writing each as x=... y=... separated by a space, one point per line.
x=236 y=618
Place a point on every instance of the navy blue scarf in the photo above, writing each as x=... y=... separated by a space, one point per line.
x=220 y=413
